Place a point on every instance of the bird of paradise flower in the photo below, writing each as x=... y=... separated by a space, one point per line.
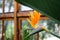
x=34 y=18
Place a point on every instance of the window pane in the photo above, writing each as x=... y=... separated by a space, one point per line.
x=0 y=29
x=9 y=30
x=9 y=6
x=51 y=26
x=25 y=8
x=0 y=6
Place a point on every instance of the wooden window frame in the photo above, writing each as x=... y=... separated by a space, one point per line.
x=17 y=16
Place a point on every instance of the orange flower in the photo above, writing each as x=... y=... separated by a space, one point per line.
x=34 y=18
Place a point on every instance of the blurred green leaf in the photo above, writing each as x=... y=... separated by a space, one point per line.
x=33 y=32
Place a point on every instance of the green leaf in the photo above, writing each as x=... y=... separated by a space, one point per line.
x=50 y=8
x=34 y=32
x=39 y=30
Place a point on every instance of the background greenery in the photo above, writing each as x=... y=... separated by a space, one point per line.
x=26 y=29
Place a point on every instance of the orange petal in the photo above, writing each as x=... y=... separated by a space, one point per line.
x=34 y=18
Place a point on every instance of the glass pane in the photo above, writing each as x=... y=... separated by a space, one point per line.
x=0 y=6
x=25 y=8
x=51 y=26
x=9 y=30
x=0 y=29
x=9 y=6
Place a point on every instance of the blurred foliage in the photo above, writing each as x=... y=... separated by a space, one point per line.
x=9 y=30
x=0 y=5
x=25 y=25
